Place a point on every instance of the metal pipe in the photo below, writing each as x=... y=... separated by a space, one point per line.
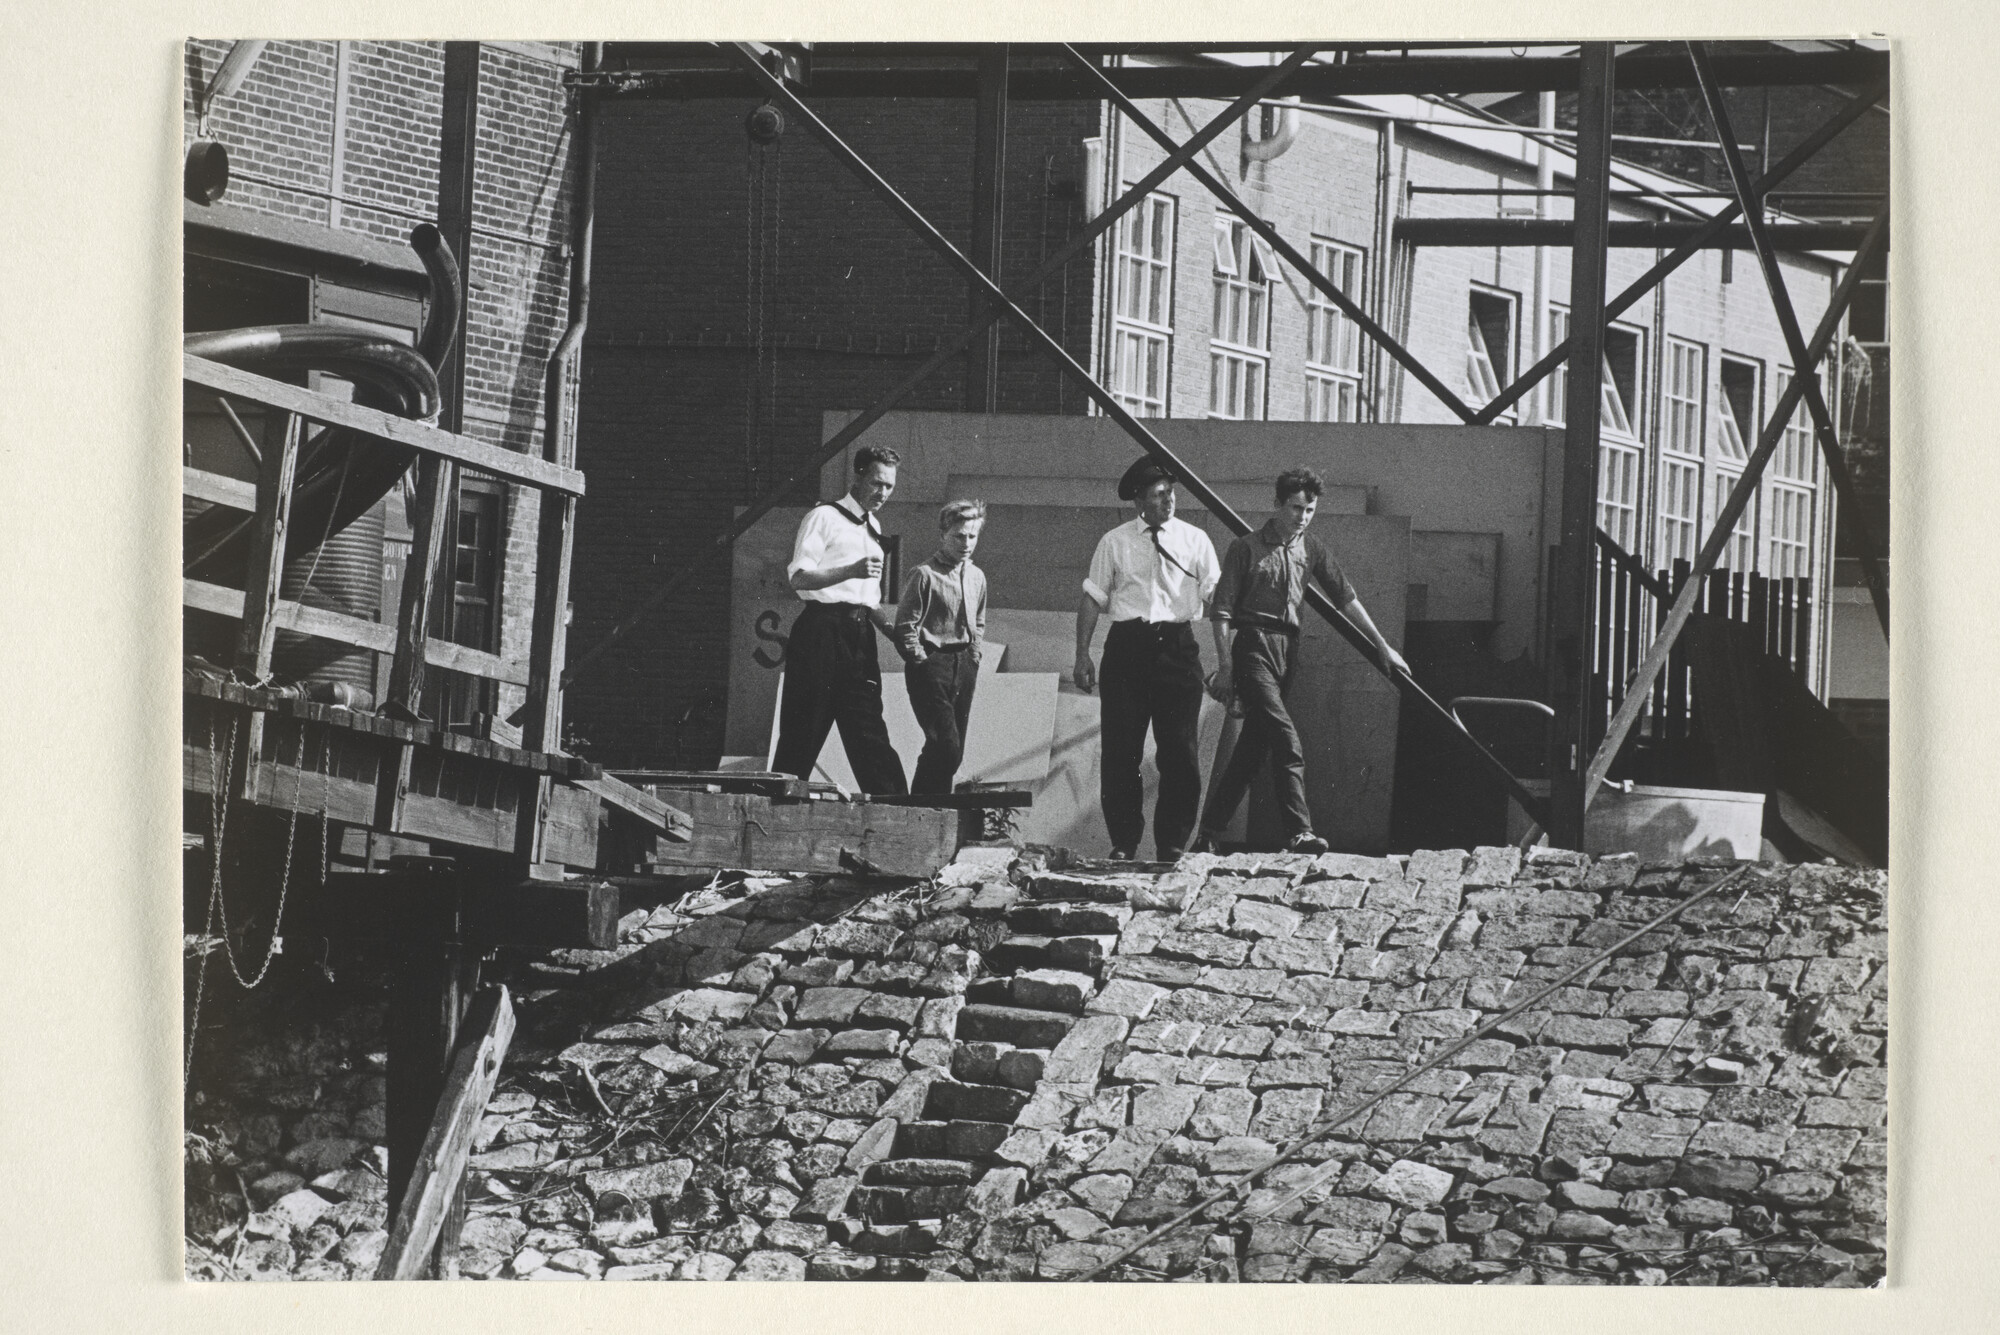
x=1113 y=409
x=1625 y=234
x=1645 y=283
x=1096 y=227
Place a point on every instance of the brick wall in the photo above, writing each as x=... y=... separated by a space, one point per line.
x=348 y=139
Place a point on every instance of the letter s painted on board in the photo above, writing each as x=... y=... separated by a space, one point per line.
x=767 y=630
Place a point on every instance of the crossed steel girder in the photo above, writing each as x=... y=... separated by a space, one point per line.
x=1325 y=285
x=841 y=439
x=1113 y=409
x=1752 y=205
x=1640 y=687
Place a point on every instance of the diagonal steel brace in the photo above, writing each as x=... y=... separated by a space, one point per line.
x=1325 y=285
x=1751 y=202
x=1640 y=687
x=841 y=439
x=1680 y=254
x=1113 y=409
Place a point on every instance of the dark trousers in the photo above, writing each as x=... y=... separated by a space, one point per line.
x=1260 y=665
x=831 y=676
x=1151 y=677
x=941 y=697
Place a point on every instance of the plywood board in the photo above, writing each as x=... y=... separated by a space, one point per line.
x=1007 y=737
x=1245 y=495
x=1459 y=573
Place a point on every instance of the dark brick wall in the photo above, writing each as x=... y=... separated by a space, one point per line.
x=857 y=301
x=378 y=176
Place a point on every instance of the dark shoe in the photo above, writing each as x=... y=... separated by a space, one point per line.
x=1306 y=842
x=1206 y=843
x=1122 y=855
x=1170 y=854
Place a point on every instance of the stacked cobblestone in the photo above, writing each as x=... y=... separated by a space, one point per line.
x=1020 y=1071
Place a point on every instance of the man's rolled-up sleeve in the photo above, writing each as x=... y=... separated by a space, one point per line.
x=1103 y=573
x=809 y=548
x=1229 y=584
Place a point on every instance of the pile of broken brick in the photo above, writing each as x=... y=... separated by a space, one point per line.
x=1022 y=1070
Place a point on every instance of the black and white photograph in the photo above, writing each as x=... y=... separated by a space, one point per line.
x=1245 y=662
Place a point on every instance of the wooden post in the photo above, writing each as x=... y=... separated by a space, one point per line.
x=989 y=172
x=258 y=635
x=1569 y=666
x=433 y=984
x=436 y=1176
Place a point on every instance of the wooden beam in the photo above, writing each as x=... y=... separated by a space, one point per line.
x=768 y=783
x=437 y=488
x=752 y=833
x=428 y=440
x=638 y=802
x=399 y=905
x=433 y=1183
x=259 y=632
x=319 y=622
x=218 y=489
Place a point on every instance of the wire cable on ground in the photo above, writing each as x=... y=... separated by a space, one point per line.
x=1444 y=1054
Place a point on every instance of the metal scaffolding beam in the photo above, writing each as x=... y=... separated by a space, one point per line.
x=1357 y=75
x=1325 y=285
x=1113 y=409
x=1654 y=276
x=1752 y=205
x=1640 y=688
x=1627 y=234
x=1570 y=601
x=1085 y=237
x=989 y=204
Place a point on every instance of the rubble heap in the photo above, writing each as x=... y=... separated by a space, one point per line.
x=1020 y=1069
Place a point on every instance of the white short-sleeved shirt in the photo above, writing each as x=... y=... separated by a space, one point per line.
x=1130 y=581
x=836 y=535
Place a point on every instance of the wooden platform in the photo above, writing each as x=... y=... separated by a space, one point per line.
x=750 y=832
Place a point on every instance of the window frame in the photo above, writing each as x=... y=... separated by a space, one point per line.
x=1485 y=376
x=1239 y=369
x=1333 y=383
x=1150 y=338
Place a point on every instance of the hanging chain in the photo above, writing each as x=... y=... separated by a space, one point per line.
x=220 y=765
x=753 y=303
x=772 y=294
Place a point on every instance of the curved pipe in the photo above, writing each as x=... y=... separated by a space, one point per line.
x=340 y=475
x=1263 y=150
x=372 y=361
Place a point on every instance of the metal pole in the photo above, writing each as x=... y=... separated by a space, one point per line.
x=1545 y=184
x=1347 y=304
x=1109 y=403
x=1752 y=204
x=1641 y=684
x=1645 y=283
x=1093 y=229
x=1570 y=606
x=989 y=192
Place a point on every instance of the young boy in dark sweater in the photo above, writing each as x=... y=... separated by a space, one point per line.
x=940 y=624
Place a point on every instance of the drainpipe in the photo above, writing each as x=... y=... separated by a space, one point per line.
x=558 y=426
x=1545 y=180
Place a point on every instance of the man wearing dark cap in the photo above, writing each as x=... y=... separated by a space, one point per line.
x=1264 y=579
x=1152 y=576
x=831 y=671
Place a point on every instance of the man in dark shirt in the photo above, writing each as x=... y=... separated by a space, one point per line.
x=1257 y=601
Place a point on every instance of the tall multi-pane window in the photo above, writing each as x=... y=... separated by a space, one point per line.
x=1333 y=341
x=1142 y=329
x=1556 y=387
x=1618 y=493
x=1239 y=356
x=1735 y=430
x=1681 y=442
x=1793 y=472
x=1489 y=345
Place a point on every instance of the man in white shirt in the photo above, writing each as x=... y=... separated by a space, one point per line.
x=1153 y=577
x=831 y=673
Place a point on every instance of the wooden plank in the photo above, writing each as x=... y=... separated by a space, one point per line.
x=752 y=833
x=475 y=1069
x=767 y=783
x=399 y=905
x=259 y=632
x=233 y=493
x=430 y=440
x=569 y=826
x=637 y=802
x=437 y=498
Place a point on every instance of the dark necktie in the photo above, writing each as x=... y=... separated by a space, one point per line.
x=1153 y=531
